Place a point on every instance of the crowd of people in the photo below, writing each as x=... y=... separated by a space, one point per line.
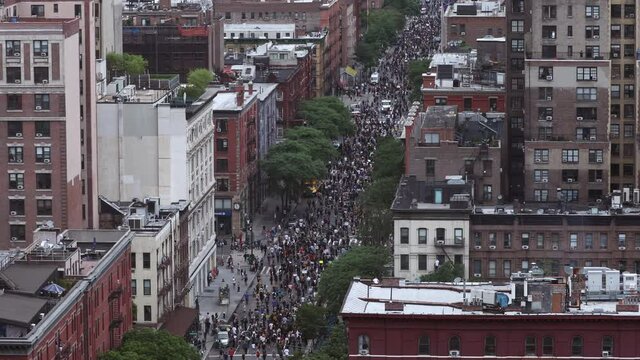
x=295 y=253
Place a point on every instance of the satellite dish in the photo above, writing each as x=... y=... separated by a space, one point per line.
x=376 y=281
x=457 y=280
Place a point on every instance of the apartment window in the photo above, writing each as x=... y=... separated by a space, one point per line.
x=628 y=130
x=629 y=50
x=530 y=346
x=524 y=238
x=146 y=260
x=222 y=184
x=15 y=154
x=487 y=192
x=576 y=346
x=627 y=149
x=592 y=12
x=55 y=8
x=492 y=239
x=545 y=133
x=517 y=26
x=592 y=51
x=627 y=170
x=596 y=156
x=541 y=175
x=14 y=101
x=422 y=236
x=43 y=181
x=16 y=181
x=604 y=240
x=422 y=262
x=545 y=73
x=547 y=345
x=595 y=176
x=44 y=207
x=12 y=48
x=16 y=206
x=517 y=122
x=516 y=84
x=222 y=165
x=629 y=91
x=569 y=31
x=146 y=286
x=37 y=10
x=77 y=10
x=423 y=345
x=586 y=133
x=541 y=155
x=133 y=260
x=41 y=75
x=541 y=195
x=492 y=268
x=615 y=92
x=549 y=32
x=629 y=111
x=545 y=93
x=43 y=129
x=614 y=131
x=42 y=101
x=517 y=45
x=540 y=241
x=41 y=48
x=222 y=125
x=616 y=11
x=524 y=265
x=430 y=168
x=517 y=64
x=432 y=138
x=147 y=311
x=490 y=346
x=555 y=241
x=586 y=94
x=506 y=243
x=441 y=101
x=622 y=239
x=549 y=12
x=506 y=268
x=569 y=11
x=14 y=75
x=607 y=344
x=592 y=32
x=404 y=235
x=43 y=154
x=227 y=16
x=570 y=195
x=454 y=343
x=587 y=74
x=134 y=287
x=222 y=144
x=17 y=232
x=570 y=156
x=14 y=129
x=458 y=236
x=404 y=262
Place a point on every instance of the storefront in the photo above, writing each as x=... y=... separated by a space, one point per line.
x=223 y=214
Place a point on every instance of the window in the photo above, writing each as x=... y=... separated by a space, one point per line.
x=576 y=346
x=492 y=239
x=541 y=176
x=549 y=32
x=586 y=94
x=41 y=75
x=133 y=260
x=628 y=130
x=404 y=235
x=14 y=129
x=222 y=184
x=77 y=10
x=14 y=75
x=541 y=195
x=15 y=154
x=146 y=260
x=432 y=138
x=549 y=11
x=490 y=345
x=441 y=101
x=604 y=240
x=595 y=176
x=17 y=232
x=147 y=312
x=592 y=32
x=492 y=268
x=569 y=31
x=570 y=156
x=547 y=345
x=43 y=181
x=592 y=12
x=454 y=343
x=569 y=176
x=629 y=91
x=44 y=207
x=430 y=168
x=627 y=170
x=422 y=262
x=622 y=239
x=596 y=156
x=588 y=241
x=614 y=131
x=530 y=346
x=16 y=181
x=440 y=234
x=587 y=74
x=222 y=165
x=487 y=192
x=363 y=343
x=14 y=102
x=404 y=262
x=222 y=144
x=134 y=287
x=569 y=195
x=16 y=206
x=423 y=345
x=37 y=10
x=422 y=236
x=524 y=238
x=222 y=125
x=12 y=48
x=517 y=26
x=43 y=154
x=541 y=155
x=517 y=45
x=545 y=93
x=540 y=241
x=55 y=8
x=507 y=241
x=42 y=102
x=506 y=268
x=43 y=129
x=458 y=236
x=146 y=286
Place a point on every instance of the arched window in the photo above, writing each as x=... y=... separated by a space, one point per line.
x=576 y=346
x=607 y=344
x=490 y=345
x=547 y=345
x=423 y=345
x=454 y=343
x=363 y=344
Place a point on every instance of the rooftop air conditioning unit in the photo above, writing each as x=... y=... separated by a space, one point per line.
x=549 y=77
x=20 y=187
x=555 y=247
x=549 y=118
x=13 y=213
x=478 y=247
x=579 y=118
x=46 y=161
x=38 y=107
x=622 y=248
x=456 y=353
x=18 y=134
x=492 y=247
x=525 y=247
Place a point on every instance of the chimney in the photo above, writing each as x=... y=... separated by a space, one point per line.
x=250 y=87
x=165 y=4
x=240 y=96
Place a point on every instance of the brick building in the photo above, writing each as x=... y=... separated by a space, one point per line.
x=467 y=21
x=531 y=316
x=90 y=318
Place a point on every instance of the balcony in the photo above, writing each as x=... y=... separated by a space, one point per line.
x=116 y=292
x=451 y=242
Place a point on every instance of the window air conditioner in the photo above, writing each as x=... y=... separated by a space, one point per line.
x=545 y=180
x=596 y=17
x=605 y=354
x=43 y=54
x=593 y=138
x=13 y=238
x=598 y=180
x=579 y=118
x=478 y=247
x=364 y=352
x=549 y=77
x=19 y=161
x=456 y=353
x=538 y=160
x=549 y=118
x=570 y=180
x=596 y=37
x=477 y=275
x=492 y=247
x=440 y=242
x=17 y=81
x=525 y=247
x=622 y=248
x=16 y=54
x=38 y=134
x=18 y=134
x=45 y=82
x=20 y=187
x=463 y=33
x=549 y=98
x=46 y=161
x=38 y=107
x=555 y=247
x=14 y=213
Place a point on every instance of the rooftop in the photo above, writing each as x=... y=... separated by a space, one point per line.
x=27 y=278
x=228 y=101
x=28 y=308
x=259 y=27
x=488 y=8
x=454 y=195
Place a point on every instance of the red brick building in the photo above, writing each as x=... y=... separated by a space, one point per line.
x=475 y=98
x=393 y=319
x=89 y=319
x=236 y=156
x=470 y=21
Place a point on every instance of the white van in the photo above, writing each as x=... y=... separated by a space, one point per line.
x=375 y=78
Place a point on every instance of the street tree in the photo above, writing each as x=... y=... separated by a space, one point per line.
x=146 y=344
x=126 y=64
x=314 y=141
x=310 y=321
x=335 y=348
x=416 y=69
x=446 y=272
x=329 y=115
x=388 y=159
x=363 y=261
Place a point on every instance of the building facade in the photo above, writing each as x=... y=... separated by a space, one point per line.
x=466 y=22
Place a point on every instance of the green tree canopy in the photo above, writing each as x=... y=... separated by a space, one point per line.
x=197 y=82
x=121 y=64
x=364 y=261
x=388 y=159
x=382 y=28
x=310 y=320
x=288 y=170
x=446 y=272
x=313 y=141
x=329 y=115
x=416 y=69
x=335 y=348
x=147 y=344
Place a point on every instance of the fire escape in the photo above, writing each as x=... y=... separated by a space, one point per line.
x=63 y=350
x=115 y=327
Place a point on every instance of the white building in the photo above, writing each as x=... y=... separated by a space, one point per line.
x=151 y=147
x=430 y=226
x=259 y=31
